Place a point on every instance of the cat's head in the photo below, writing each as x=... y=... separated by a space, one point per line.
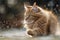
x=31 y=12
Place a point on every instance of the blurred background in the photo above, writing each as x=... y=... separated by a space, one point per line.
x=12 y=15
x=12 y=11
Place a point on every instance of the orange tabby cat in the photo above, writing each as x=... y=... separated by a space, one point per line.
x=39 y=22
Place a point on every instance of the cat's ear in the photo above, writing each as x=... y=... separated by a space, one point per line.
x=35 y=8
x=34 y=4
x=25 y=6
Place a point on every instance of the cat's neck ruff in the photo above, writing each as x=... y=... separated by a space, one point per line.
x=45 y=12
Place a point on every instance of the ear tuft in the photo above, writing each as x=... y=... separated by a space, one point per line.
x=35 y=8
x=25 y=6
x=34 y=4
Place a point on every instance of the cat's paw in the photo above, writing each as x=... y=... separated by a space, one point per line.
x=31 y=33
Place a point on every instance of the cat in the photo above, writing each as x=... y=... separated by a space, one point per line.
x=38 y=21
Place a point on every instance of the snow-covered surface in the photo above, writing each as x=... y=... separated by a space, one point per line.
x=13 y=33
x=20 y=34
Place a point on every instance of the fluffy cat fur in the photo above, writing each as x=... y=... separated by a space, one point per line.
x=39 y=22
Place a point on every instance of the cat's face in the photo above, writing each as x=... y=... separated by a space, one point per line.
x=30 y=12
